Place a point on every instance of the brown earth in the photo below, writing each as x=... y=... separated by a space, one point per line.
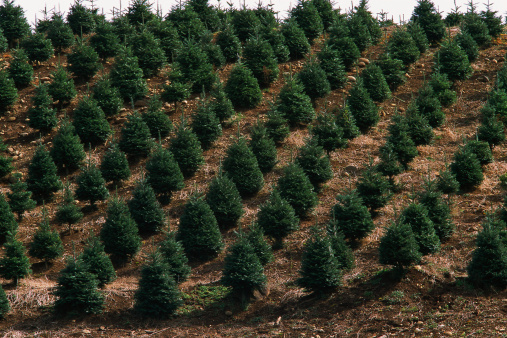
x=431 y=299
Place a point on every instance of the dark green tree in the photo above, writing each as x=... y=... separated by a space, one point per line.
x=135 y=138
x=481 y=149
x=68 y=212
x=416 y=215
x=62 y=87
x=263 y=148
x=428 y=105
x=315 y=163
x=46 y=243
x=205 y=124
x=195 y=66
x=492 y=21
x=452 y=60
x=328 y=134
x=326 y=12
x=347 y=50
x=127 y=76
x=314 y=80
x=20 y=199
x=187 y=150
x=14 y=264
x=373 y=188
x=362 y=107
x=402 y=46
x=13 y=21
x=83 y=61
x=331 y=63
x=105 y=41
x=3 y=41
x=342 y=251
x=259 y=57
x=419 y=129
x=164 y=174
x=67 y=151
x=277 y=127
x=114 y=166
x=225 y=201
x=108 y=97
x=442 y=88
x=242 y=87
x=474 y=25
x=347 y=122
x=245 y=23
x=438 y=210
x=146 y=47
x=467 y=168
x=91 y=186
x=295 y=39
x=96 y=261
x=399 y=137
x=398 y=246
x=491 y=130
x=156 y=119
x=8 y=92
x=294 y=103
x=229 y=43
x=145 y=209
x=173 y=253
x=81 y=19
x=8 y=222
x=90 y=122
x=361 y=34
x=220 y=103
x=37 y=47
x=41 y=115
x=277 y=41
x=295 y=187
x=468 y=44
x=389 y=164
x=393 y=70
x=42 y=179
x=308 y=18
x=256 y=238
x=426 y=15
x=19 y=68
x=375 y=83
x=140 y=12
x=4 y=303
x=418 y=35
x=447 y=182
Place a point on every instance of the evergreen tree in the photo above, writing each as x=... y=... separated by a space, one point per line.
x=3 y=41
x=67 y=151
x=14 y=264
x=43 y=180
x=119 y=233
x=179 y=89
x=430 y=20
x=60 y=33
x=41 y=115
x=467 y=168
x=76 y=292
x=276 y=126
x=474 y=25
x=140 y=12
x=402 y=46
x=46 y=243
x=135 y=137
x=492 y=21
x=164 y=174
x=8 y=92
x=342 y=252
x=90 y=122
x=62 y=87
x=393 y=70
x=315 y=163
x=4 y=303
x=398 y=246
x=295 y=39
x=295 y=187
x=13 y=21
x=481 y=149
x=447 y=182
x=206 y=124
x=319 y=267
x=346 y=121
x=369 y=21
x=229 y=43
x=83 y=61
x=428 y=105
x=105 y=41
x=81 y=19
x=351 y=217
x=416 y=215
x=174 y=255
x=362 y=107
x=491 y=130
x=7 y=220
x=187 y=150
x=399 y=137
x=468 y=44
x=96 y=261
x=373 y=188
x=195 y=66
x=389 y=164
x=127 y=76
x=37 y=47
x=220 y=103
x=331 y=63
x=20 y=71
x=496 y=104
x=198 y=230
x=326 y=12
x=225 y=201
x=20 y=199
x=263 y=148
x=123 y=30
x=259 y=57
x=294 y=103
x=308 y=18
x=327 y=133
x=347 y=50
x=452 y=60
x=442 y=88
x=418 y=35
x=419 y=128
x=158 y=295
x=361 y=37
x=108 y=97
x=242 y=87
x=438 y=210
x=114 y=166
x=156 y=119
x=243 y=169
x=375 y=83
x=146 y=47
x=145 y=209
x=245 y=23
x=210 y=16
x=277 y=41
x=314 y=80
x=68 y=211
x=261 y=248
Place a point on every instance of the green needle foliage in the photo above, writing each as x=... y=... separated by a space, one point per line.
x=81 y=19
x=263 y=148
x=347 y=50
x=3 y=41
x=294 y=103
x=146 y=47
x=127 y=76
x=452 y=60
x=245 y=23
x=14 y=264
x=259 y=57
x=242 y=167
x=402 y=46
x=62 y=87
x=20 y=199
x=8 y=92
x=46 y=243
x=174 y=255
x=315 y=163
x=76 y=292
x=105 y=41
x=393 y=70
x=295 y=39
x=37 y=47
x=225 y=201
x=362 y=107
x=83 y=61
x=96 y=261
x=91 y=186
x=220 y=103
x=320 y=270
x=438 y=210
x=327 y=133
x=242 y=88
x=326 y=12
x=351 y=217
x=7 y=220
x=474 y=25
x=373 y=188
x=60 y=33
x=418 y=35
x=347 y=122
x=19 y=68
x=398 y=246
x=114 y=166
x=468 y=44
x=195 y=66
x=295 y=187
x=416 y=215
x=158 y=295
x=447 y=182
x=261 y=248
x=41 y=115
x=491 y=130
x=108 y=97
x=90 y=122
x=389 y=164
x=206 y=124
x=135 y=140
x=163 y=173
x=68 y=212
x=43 y=180
x=198 y=230
x=331 y=63
x=467 y=168
x=442 y=88
x=145 y=209
x=187 y=151
x=342 y=252
x=4 y=303
x=314 y=80
x=13 y=21
x=277 y=127
x=307 y=17
x=67 y=151
x=428 y=105
x=229 y=43
x=155 y=118
x=119 y=233
x=481 y=149
x=419 y=128
x=426 y=15
x=375 y=83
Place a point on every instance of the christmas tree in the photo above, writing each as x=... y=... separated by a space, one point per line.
x=145 y=209
x=294 y=103
x=206 y=124
x=174 y=255
x=37 y=47
x=418 y=35
x=347 y=122
x=398 y=246
x=229 y=43
x=426 y=15
x=452 y=60
x=263 y=148
x=20 y=199
x=393 y=70
x=259 y=57
x=331 y=63
x=342 y=252
x=114 y=166
x=308 y=18
x=428 y=105
x=195 y=66
x=91 y=186
x=164 y=174
x=373 y=188
x=327 y=133
x=96 y=261
x=295 y=39
x=8 y=92
x=156 y=119
x=468 y=44
x=41 y=115
x=220 y=103
x=438 y=210
x=225 y=201
x=375 y=83
x=362 y=107
x=315 y=163
x=416 y=215
x=7 y=220
x=314 y=80
x=105 y=41
x=481 y=149
x=402 y=46
x=59 y=33
x=442 y=88
x=245 y=23
x=14 y=264
x=186 y=148
x=467 y=168
x=42 y=179
x=81 y=19
x=242 y=87
x=135 y=137
x=67 y=151
x=108 y=97
x=19 y=68
x=4 y=303
x=83 y=61
x=127 y=76
x=13 y=21
x=276 y=125
x=90 y=122
x=68 y=212
x=295 y=187
x=61 y=87
x=261 y=248
x=150 y=55
x=46 y=243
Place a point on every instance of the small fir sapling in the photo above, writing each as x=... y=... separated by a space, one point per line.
x=41 y=115
x=314 y=80
x=393 y=70
x=76 y=292
x=467 y=169
x=20 y=199
x=123 y=30
x=8 y=92
x=307 y=17
x=263 y=147
x=245 y=23
x=347 y=50
x=229 y=43
x=38 y=48
x=416 y=215
x=225 y=201
x=4 y=303
x=158 y=295
x=8 y=222
x=13 y=21
x=242 y=87
x=419 y=36
x=295 y=39
x=277 y=41
x=178 y=89
x=205 y=124
x=241 y=166
x=492 y=21
x=295 y=105
x=326 y=12
x=261 y=248
x=127 y=76
x=119 y=233
x=474 y=25
x=90 y=122
x=426 y=15
x=331 y=63
x=438 y=210
x=42 y=179
x=195 y=67
x=402 y=46
x=375 y=83
x=163 y=173
x=277 y=218
x=5 y=164
x=150 y=55
x=419 y=129
x=14 y=264
x=220 y=103
x=114 y=166
x=452 y=60
x=96 y=261
x=107 y=97
x=259 y=57
x=295 y=187
x=212 y=50
x=186 y=149
x=3 y=41
x=328 y=133
x=447 y=183
x=68 y=212
x=198 y=230
x=320 y=270
x=156 y=119
x=83 y=61
x=19 y=69
x=91 y=186
x=174 y=255
x=140 y=12
x=482 y=150
x=277 y=127
x=315 y=163
x=135 y=140
x=62 y=87
x=491 y=131
x=342 y=252
x=145 y=209
x=373 y=188
x=496 y=104
x=442 y=89
x=81 y=19
x=347 y=122
x=398 y=246
x=361 y=35
x=428 y=105
x=105 y=41
x=404 y=146
x=362 y=107
x=468 y=44
x=371 y=23
x=389 y=164
x=67 y=151
x=46 y=243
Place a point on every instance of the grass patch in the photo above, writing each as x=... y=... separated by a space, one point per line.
x=204 y=297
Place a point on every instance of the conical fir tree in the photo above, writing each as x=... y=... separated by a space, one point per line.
x=419 y=128
x=347 y=122
x=319 y=267
x=19 y=68
x=114 y=166
x=225 y=201
x=438 y=210
x=43 y=180
x=393 y=69
x=429 y=106
x=389 y=165
x=186 y=149
x=135 y=137
x=105 y=42
x=399 y=137
x=229 y=43
x=295 y=187
x=108 y=97
x=347 y=50
x=13 y=21
x=119 y=233
x=294 y=104
x=83 y=61
x=158 y=295
x=467 y=168
x=481 y=149
x=96 y=261
x=14 y=264
x=398 y=246
x=91 y=186
x=375 y=83
x=46 y=243
x=263 y=148
x=442 y=88
x=174 y=255
x=90 y=122
x=67 y=151
x=62 y=87
x=80 y=18
x=243 y=169
x=76 y=292
x=259 y=57
x=242 y=87
x=453 y=61
x=277 y=126
x=426 y=15
x=373 y=188
x=220 y=103
x=416 y=215
x=37 y=47
x=315 y=163
x=261 y=248
x=314 y=80
x=362 y=107
x=402 y=46
x=68 y=212
x=491 y=130
x=8 y=92
x=155 y=118
x=145 y=209
x=418 y=35
x=295 y=39
x=146 y=47
x=206 y=124
x=198 y=230
x=327 y=133
x=331 y=63
x=4 y=303
x=41 y=115
x=194 y=64
x=20 y=199
x=60 y=33
x=164 y=174
x=308 y=18
x=7 y=220
x=128 y=77
x=342 y=252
